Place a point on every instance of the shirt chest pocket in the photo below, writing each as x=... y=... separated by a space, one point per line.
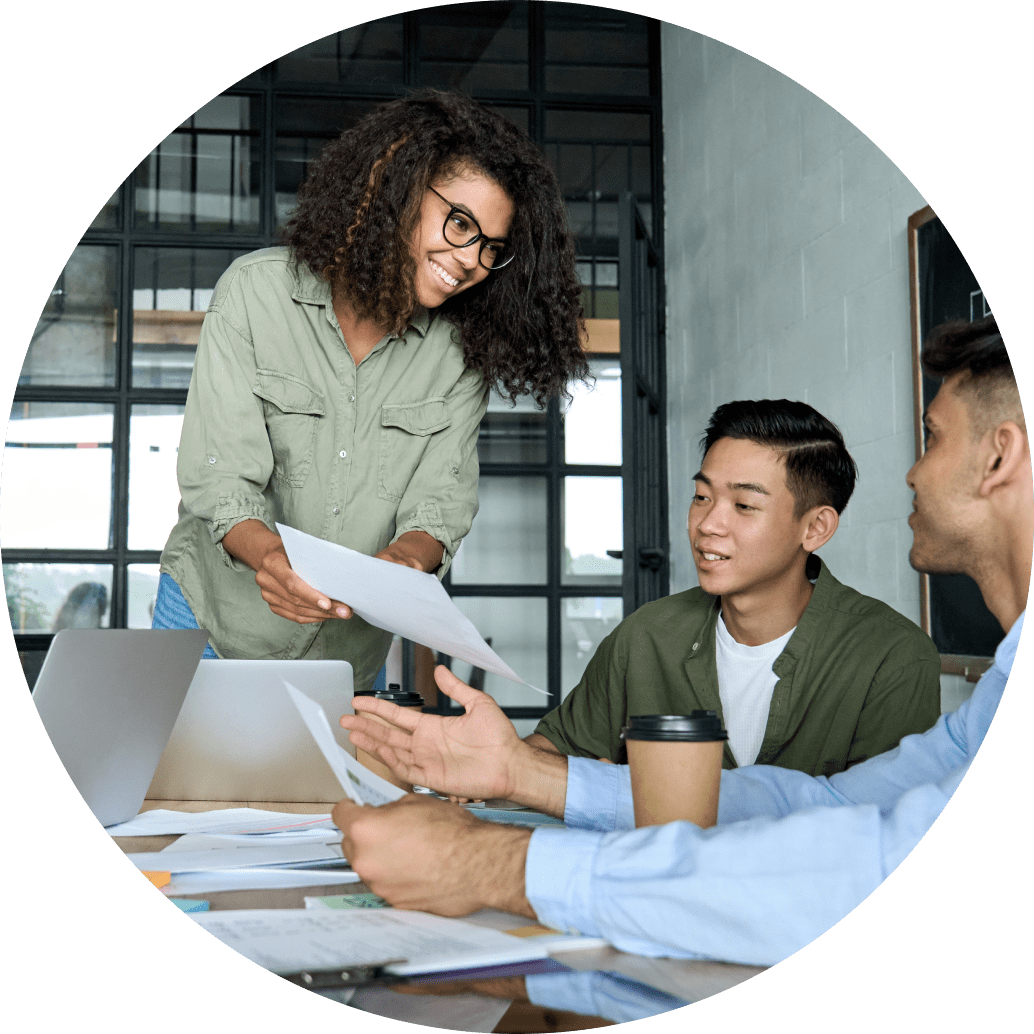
x=406 y=430
x=293 y=410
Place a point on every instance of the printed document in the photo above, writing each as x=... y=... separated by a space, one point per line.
x=358 y=782
x=161 y=821
x=290 y=940
x=410 y=603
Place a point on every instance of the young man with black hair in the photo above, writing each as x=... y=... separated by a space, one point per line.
x=806 y=673
x=791 y=854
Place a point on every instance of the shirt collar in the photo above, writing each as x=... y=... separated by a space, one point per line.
x=310 y=289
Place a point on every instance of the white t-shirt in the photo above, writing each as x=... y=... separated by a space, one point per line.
x=745 y=684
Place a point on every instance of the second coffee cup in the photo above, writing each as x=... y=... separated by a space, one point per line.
x=675 y=762
x=394 y=695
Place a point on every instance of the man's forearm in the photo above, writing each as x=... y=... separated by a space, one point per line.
x=539 y=780
x=415 y=549
x=499 y=865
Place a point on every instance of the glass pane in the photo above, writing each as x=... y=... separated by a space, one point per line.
x=206 y=175
x=596 y=50
x=478 y=46
x=49 y=597
x=516 y=629
x=368 y=54
x=57 y=476
x=74 y=341
x=154 y=436
x=171 y=291
x=592 y=423
x=507 y=541
x=305 y=125
x=518 y=116
x=108 y=217
x=585 y=621
x=592 y=525
x=593 y=126
x=142 y=584
x=513 y=434
x=32 y=660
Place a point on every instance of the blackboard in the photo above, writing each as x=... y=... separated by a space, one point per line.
x=943 y=287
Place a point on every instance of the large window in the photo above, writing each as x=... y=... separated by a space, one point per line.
x=89 y=488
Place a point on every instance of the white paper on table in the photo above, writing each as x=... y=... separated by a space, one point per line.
x=410 y=603
x=255 y=879
x=216 y=841
x=234 y=857
x=289 y=940
x=362 y=785
x=161 y=821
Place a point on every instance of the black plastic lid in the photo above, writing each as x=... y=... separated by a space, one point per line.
x=695 y=727
x=394 y=695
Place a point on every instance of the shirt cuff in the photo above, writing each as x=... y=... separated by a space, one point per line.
x=558 y=877
x=599 y=796
x=428 y=518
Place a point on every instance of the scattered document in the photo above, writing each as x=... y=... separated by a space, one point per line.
x=269 y=878
x=235 y=857
x=358 y=782
x=218 y=841
x=161 y=821
x=410 y=603
x=290 y=940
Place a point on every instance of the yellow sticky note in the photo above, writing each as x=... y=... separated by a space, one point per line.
x=159 y=879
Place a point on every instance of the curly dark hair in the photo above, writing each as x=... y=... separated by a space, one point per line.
x=359 y=207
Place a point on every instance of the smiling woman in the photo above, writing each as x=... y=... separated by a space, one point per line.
x=340 y=380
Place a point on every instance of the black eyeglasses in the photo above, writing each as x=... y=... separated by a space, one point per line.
x=461 y=230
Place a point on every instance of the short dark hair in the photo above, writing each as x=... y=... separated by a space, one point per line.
x=819 y=469
x=977 y=351
x=360 y=203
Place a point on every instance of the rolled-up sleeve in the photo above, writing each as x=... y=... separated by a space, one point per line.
x=441 y=498
x=225 y=459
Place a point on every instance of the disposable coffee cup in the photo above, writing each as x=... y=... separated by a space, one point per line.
x=394 y=695
x=675 y=761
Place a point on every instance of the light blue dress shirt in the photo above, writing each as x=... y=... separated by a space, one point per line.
x=791 y=855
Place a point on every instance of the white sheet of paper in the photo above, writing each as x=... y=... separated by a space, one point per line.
x=362 y=785
x=255 y=879
x=289 y=940
x=410 y=603
x=233 y=857
x=161 y=821
x=215 y=841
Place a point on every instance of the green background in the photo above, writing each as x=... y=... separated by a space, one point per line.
x=943 y=89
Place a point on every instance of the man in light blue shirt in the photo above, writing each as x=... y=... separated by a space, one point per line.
x=791 y=854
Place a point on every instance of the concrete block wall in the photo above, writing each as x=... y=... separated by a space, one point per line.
x=786 y=269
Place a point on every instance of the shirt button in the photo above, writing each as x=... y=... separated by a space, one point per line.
x=342 y=454
x=351 y=398
x=211 y=459
x=336 y=510
x=696 y=646
x=455 y=470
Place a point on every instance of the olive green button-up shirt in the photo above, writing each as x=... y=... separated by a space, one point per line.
x=853 y=679
x=282 y=426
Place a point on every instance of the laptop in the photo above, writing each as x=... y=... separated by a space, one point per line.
x=109 y=698
x=239 y=737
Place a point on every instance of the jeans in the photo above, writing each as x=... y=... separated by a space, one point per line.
x=171 y=610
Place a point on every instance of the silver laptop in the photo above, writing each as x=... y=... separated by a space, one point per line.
x=108 y=698
x=240 y=738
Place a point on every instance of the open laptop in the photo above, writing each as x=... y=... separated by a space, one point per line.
x=239 y=737
x=108 y=698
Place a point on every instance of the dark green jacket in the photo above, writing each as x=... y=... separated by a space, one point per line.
x=854 y=678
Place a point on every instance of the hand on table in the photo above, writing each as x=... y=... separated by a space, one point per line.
x=477 y=755
x=420 y=853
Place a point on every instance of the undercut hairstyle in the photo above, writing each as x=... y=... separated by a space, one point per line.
x=360 y=205
x=819 y=469
x=988 y=384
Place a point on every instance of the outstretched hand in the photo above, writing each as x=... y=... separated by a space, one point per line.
x=475 y=755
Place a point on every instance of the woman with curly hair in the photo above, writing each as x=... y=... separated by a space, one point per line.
x=340 y=380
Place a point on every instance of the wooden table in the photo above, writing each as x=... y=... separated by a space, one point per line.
x=689 y=980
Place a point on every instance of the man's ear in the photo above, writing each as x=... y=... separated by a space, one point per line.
x=822 y=522
x=1004 y=454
